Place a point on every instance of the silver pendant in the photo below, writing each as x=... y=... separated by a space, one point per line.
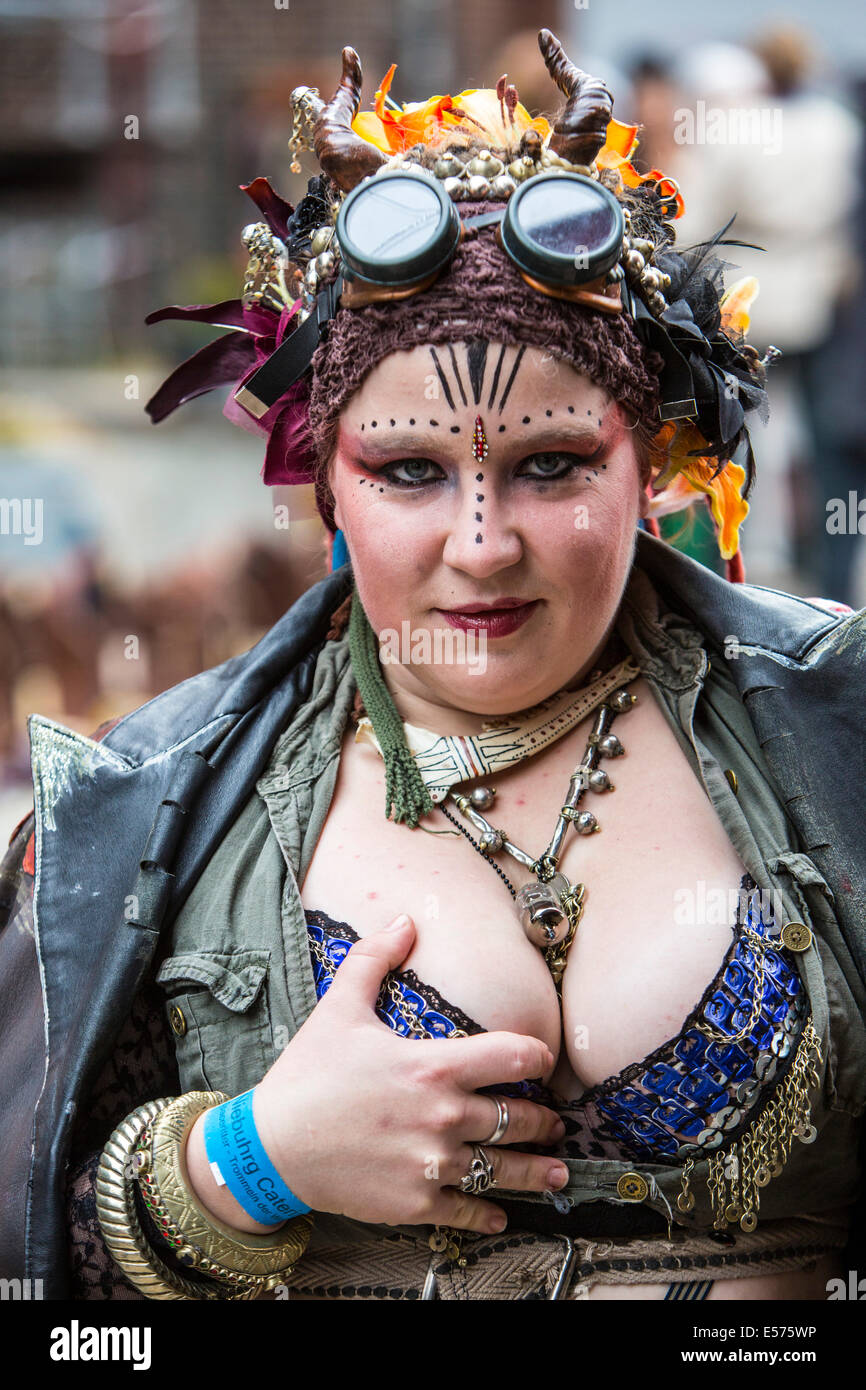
x=541 y=911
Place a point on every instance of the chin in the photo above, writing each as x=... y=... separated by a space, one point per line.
x=501 y=688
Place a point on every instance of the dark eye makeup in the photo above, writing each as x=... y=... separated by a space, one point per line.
x=569 y=464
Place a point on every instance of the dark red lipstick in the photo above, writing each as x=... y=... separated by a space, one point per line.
x=497 y=619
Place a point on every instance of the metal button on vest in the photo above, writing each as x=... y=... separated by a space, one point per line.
x=177 y=1020
x=796 y=936
x=631 y=1187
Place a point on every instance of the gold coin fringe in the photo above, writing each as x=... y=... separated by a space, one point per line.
x=736 y=1176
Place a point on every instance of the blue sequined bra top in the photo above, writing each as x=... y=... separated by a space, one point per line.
x=734 y=1078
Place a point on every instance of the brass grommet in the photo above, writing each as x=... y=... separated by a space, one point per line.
x=732 y=779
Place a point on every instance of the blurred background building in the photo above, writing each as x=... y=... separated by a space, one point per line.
x=126 y=128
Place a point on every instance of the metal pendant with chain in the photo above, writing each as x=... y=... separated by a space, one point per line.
x=550 y=908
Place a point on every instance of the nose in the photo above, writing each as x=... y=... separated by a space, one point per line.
x=481 y=534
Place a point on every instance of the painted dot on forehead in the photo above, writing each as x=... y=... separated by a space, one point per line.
x=571 y=410
x=548 y=412
x=393 y=422
x=526 y=419
x=478 y=539
x=501 y=429
x=434 y=422
x=373 y=424
x=411 y=422
x=479 y=477
x=455 y=429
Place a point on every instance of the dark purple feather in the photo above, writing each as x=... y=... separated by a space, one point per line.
x=224 y=360
x=231 y=313
x=275 y=210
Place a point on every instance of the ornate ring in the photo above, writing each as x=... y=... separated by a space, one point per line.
x=501 y=1121
x=480 y=1175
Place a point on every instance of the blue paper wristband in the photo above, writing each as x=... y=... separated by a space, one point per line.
x=238 y=1161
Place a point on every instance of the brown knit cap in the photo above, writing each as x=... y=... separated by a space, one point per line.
x=481 y=294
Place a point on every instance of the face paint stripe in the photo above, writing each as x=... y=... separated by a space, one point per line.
x=517 y=361
x=457 y=374
x=445 y=387
x=496 y=378
x=476 y=356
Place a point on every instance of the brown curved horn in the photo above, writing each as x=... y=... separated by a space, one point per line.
x=580 y=128
x=345 y=157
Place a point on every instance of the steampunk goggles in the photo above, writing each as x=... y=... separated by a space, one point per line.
x=398 y=230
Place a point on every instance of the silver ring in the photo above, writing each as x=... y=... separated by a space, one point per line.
x=501 y=1120
x=480 y=1175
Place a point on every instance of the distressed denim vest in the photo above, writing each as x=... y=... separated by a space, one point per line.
x=238 y=977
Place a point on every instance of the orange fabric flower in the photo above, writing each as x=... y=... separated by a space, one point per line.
x=621 y=142
x=478 y=113
x=735 y=305
x=682 y=477
x=475 y=113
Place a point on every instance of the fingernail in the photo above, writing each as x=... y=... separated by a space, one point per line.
x=398 y=923
x=557 y=1177
x=558 y=1130
x=497 y=1224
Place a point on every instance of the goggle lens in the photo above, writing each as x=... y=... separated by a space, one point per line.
x=569 y=220
x=396 y=227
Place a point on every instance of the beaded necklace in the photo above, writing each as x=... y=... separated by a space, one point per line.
x=419 y=777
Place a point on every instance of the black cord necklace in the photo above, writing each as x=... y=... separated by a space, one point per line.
x=475 y=845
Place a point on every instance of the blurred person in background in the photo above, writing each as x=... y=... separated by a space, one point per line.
x=755 y=139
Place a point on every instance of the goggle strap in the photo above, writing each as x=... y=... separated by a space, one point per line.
x=483 y=219
x=292 y=358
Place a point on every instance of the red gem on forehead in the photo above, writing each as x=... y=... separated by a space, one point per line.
x=479 y=440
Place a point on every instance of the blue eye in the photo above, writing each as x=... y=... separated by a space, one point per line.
x=562 y=464
x=422 y=465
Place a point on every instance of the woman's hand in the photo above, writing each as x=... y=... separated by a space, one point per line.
x=362 y=1122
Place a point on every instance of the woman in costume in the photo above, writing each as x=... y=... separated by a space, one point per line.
x=332 y=1060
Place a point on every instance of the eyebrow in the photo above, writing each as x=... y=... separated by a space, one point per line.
x=414 y=441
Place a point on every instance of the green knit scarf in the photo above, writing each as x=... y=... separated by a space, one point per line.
x=405 y=792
